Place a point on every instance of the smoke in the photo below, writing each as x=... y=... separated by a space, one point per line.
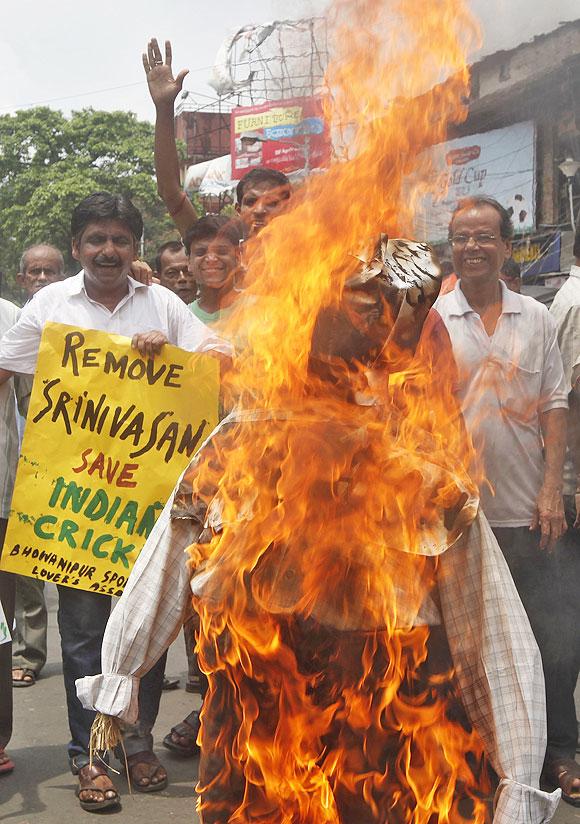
x=505 y=23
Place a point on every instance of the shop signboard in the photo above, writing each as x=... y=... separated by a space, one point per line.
x=287 y=135
x=500 y=163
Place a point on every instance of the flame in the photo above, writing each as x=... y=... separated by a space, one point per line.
x=340 y=478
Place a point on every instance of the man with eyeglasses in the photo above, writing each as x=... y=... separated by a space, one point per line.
x=514 y=399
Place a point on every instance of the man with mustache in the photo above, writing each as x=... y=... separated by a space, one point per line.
x=105 y=230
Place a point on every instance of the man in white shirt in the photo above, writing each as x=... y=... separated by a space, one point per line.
x=514 y=398
x=105 y=232
x=40 y=265
x=9 y=451
x=565 y=310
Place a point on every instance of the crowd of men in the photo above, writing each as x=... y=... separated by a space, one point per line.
x=518 y=367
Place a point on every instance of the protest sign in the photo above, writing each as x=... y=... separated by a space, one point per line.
x=108 y=433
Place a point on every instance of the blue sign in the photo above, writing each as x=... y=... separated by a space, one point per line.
x=538 y=254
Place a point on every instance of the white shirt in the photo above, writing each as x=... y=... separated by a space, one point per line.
x=565 y=310
x=9 y=442
x=505 y=382
x=143 y=309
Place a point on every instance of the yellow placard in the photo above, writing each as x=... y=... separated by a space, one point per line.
x=107 y=435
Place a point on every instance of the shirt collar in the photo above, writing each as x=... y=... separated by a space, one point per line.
x=575 y=271
x=510 y=301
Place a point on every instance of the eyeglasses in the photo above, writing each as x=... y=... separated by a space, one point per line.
x=480 y=238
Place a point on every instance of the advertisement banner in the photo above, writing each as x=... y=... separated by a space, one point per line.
x=500 y=164
x=287 y=135
x=108 y=433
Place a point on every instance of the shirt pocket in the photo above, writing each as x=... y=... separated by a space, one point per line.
x=518 y=391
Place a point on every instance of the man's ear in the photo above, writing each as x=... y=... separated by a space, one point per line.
x=20 y=279
x=75 y=249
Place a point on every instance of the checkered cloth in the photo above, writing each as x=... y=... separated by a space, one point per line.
x=495 y=655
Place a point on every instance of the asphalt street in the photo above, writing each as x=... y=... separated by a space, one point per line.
x=41 y=789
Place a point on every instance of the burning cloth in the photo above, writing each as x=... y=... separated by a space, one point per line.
x=368 y=657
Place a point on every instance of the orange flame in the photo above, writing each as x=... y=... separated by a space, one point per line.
x=336 y=484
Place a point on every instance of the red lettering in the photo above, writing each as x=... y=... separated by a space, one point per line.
x=107 y=469
x=98 y=465
x=125 y=478
x=85 y=463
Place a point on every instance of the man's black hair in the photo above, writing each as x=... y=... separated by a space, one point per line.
x=105 y=206
x=511 y=268
x=506 y=227
x=261 y=174
x=169 y=246
x=209 y=227
x=576 y=250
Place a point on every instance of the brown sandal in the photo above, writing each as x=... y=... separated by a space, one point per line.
x=87 y=776
x=153 y=764
x=561 y=773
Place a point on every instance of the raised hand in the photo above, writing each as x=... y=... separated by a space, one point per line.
x=163 y=87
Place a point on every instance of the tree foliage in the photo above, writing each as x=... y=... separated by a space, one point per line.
x=49 y=162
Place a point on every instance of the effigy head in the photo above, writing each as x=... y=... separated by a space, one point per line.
x=383 y=307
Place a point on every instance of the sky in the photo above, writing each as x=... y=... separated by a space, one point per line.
x=70 y=54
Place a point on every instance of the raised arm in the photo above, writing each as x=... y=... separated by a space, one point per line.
x=164 y=88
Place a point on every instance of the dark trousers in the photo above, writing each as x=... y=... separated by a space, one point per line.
x=549 y=586
x=82 y=618
x=7 y=590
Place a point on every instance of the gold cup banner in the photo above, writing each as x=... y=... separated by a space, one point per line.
x=107 y=435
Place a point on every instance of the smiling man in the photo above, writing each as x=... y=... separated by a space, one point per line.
x=213 y=246
x=514 y=399
x=105 y=231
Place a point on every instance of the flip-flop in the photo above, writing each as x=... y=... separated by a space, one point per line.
x=86 y=776
x=188 y=729
x=28 y=677
x=170 y=684
x=149 y=758
x=7 y=765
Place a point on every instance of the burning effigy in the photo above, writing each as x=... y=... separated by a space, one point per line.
x=368 y=658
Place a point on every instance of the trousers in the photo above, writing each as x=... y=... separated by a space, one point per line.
x=29 y=646
x=7 y=588
x=549 y=587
